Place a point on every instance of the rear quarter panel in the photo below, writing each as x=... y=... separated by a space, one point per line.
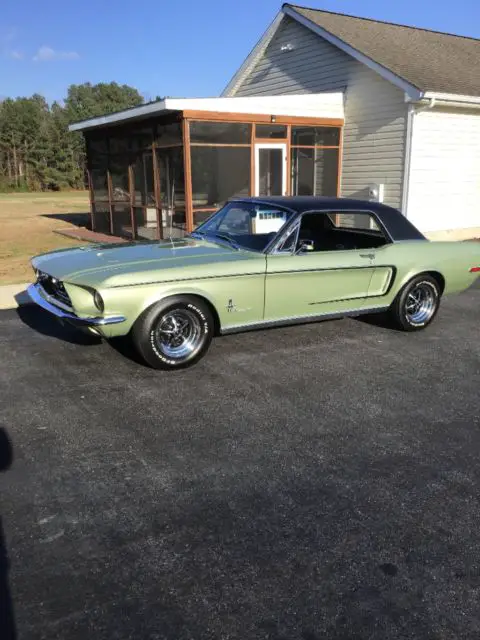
x=452 y=260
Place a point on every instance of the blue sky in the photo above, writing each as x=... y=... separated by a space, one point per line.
x=167 y=47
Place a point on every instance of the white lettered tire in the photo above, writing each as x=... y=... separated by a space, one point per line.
x=417 y=304
x=174 y=333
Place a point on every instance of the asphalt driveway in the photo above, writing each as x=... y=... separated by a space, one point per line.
x=302 y=483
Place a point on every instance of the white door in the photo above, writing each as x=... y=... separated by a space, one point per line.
x=270 y=169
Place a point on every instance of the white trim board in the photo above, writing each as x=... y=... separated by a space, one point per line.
x=313 y=105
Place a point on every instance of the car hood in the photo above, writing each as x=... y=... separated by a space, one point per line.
x=129 y=263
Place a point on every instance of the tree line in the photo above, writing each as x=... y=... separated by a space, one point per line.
x=37 y=152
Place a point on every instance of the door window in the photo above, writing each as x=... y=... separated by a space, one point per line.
x=340 y=231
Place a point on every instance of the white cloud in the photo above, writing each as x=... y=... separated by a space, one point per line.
x=7 y=38
x=46 y=54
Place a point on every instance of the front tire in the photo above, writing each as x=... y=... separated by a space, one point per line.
x=417 y=304
x=174 y=333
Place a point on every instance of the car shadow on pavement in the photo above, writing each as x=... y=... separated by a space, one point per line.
x=381 y=320
x=43 y=322
x=124 y=346
x=7 y=618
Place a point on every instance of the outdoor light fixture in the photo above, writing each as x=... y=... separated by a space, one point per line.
x=273 y=119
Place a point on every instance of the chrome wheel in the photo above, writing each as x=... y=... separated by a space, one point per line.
x=178 y=334
x=421 y=303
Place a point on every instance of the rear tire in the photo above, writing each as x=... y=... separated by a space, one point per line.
x=174 y=333
x=417 y=304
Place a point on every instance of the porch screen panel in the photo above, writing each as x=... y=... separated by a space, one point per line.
x=221 y=164
x=119 y=158
x=144 y=203
x=315 y=160
x=172 y=190
x=101 y=217
x=97 y=150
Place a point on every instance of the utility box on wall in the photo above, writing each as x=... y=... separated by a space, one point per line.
x=376 y=192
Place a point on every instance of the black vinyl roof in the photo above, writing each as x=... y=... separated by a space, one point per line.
x=397 y=226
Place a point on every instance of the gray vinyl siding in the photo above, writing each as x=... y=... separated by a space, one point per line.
x=375 y=111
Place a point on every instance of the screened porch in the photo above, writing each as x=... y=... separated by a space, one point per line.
x=158 y=176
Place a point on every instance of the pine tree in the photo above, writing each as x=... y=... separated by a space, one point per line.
x=37 y=152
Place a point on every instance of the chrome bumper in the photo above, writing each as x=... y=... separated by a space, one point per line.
x=34 y=292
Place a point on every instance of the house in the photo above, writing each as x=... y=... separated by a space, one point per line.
x=329 y=104
x=412 y=107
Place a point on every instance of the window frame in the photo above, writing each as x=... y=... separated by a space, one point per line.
x=233 y=201
x=297 y=221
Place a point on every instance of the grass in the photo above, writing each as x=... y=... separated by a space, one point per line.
x=27 y=225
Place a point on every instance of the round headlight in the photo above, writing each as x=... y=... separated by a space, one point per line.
x=98 y=300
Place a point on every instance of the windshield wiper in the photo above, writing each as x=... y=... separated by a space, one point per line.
x=225 y=236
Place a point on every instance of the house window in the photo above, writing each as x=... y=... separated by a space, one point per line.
x=315 y=154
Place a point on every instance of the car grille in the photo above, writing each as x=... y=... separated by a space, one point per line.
x=54 y=288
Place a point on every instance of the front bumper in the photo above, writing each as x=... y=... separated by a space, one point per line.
x=40 y=297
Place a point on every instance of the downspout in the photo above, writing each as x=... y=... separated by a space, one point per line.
x=408 y=151
x=431 y=103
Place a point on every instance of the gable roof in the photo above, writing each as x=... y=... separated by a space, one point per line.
x=422 y=63
x=430 y=61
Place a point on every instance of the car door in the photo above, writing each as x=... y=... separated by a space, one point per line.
x=316 y=282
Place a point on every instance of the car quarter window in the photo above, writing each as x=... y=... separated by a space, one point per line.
x=339 y=231
x=354 y=220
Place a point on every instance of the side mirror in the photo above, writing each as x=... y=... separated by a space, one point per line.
x=305 y=246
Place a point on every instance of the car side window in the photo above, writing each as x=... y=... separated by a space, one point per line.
x=354 y=220
x=339 y=231
x=289 y=241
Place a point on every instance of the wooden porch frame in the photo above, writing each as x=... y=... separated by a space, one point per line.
x=185 y=117
x=217 y=116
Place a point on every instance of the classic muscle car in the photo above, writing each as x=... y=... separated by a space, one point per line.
x=257 y=262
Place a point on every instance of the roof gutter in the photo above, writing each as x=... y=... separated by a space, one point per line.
x=119 y=116
x=449 y=100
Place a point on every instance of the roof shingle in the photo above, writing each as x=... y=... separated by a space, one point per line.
x=428 y=60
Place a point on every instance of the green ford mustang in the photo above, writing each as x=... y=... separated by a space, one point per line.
x=257 y=262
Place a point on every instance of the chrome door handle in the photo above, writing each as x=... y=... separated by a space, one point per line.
x=370 y=256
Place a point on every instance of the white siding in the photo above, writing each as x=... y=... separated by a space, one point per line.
x=444 y=185
x=375 y=111
x=328 y=105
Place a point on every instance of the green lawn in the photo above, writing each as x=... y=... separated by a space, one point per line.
x=27 y=225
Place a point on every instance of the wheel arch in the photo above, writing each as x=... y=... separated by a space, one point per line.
x=191 y=294
x=437 y=276
x=434 y=273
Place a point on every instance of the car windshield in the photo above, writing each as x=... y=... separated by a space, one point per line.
x=245 y=225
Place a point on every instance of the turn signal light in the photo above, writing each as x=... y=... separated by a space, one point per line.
x=475 y=270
